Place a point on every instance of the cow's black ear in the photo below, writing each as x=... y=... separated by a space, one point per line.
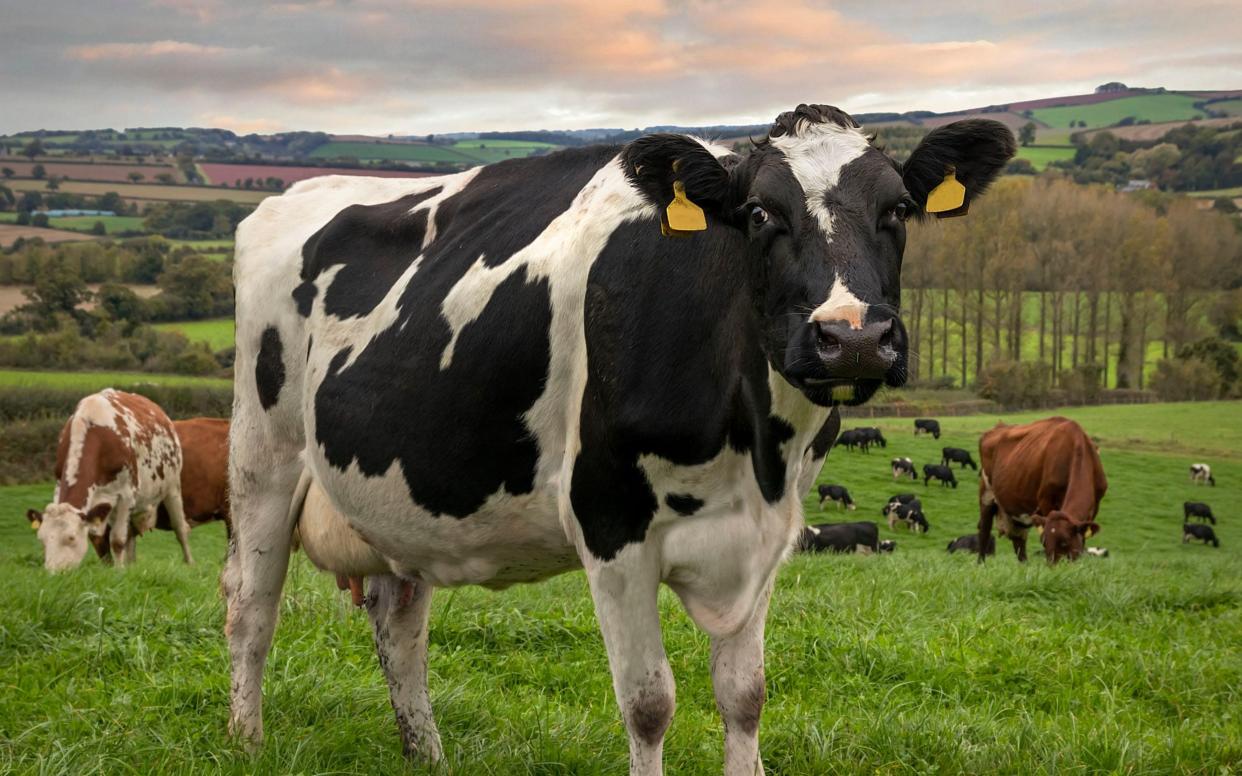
x=35 y=517
x=653 y=162
x=975 y=149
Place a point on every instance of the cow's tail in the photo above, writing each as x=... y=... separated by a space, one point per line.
x=298 y=501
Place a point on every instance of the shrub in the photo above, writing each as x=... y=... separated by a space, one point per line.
x=1082 y=384
x=1014 y=384
x=1186 y=379
x=1218 y=354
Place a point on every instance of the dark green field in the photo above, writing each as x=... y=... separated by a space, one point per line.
x=913 y=663
x=1153 y=107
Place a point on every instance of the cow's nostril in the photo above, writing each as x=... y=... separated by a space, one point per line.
x=827 y=337
x=887 y=334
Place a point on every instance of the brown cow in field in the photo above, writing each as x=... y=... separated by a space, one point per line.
x=117 y=461
x=1046 y=474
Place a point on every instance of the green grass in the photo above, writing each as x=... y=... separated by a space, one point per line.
x=913 y=663
x=1231 y=107
x=1153 y=107
x=1040 y=156
x=94 y=381
x=113 y=224
x=217 y=333
x=402 y=152
x=1236 y=191
x=489 y=143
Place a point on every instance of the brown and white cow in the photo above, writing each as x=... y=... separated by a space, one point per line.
x=118 y=460
x=1047 y=474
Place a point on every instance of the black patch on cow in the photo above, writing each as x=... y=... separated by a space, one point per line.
x=457 y=434
x=683 y=503
x=375 y=243
x=823 y=440
x=675 y=369
x=304 y=297
x=269 y=368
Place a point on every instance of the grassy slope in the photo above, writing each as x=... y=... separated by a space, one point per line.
x=1232 y=107
x=113 y=224
x=217 y=333
x=913 y=663
x=1155 y=108
x=1040 y=156
x=94 y=381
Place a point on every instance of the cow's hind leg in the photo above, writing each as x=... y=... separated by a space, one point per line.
x=399 y=611
x=625 y=592
x=176 y=517
x=738 y=680
x=254 y=574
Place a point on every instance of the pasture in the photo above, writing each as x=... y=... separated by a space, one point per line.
x=112 y=224
x=1040 y=156
x=217 y=332
x=1153 y=107
x=148 y=191
x=918 y=662
x=88 y=382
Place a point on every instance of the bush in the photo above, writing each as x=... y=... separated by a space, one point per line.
x=28 y=451
x=1220 y=355
x=1014 y=384
x=1082 y=384
x=39 y=220
x=1186 y=379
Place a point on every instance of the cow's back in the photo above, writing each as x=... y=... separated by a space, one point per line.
x=1044 y=465
x=204 y=469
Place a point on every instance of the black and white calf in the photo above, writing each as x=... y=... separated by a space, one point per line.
x=911 y=515
x=1197 y=509
x=1201 y=474
x=842 y=537
x=503 y=374
x=837 y=494
x=937 y=471
x=904 y=467
x=872 y=436
x=896 y=500
x=927 y=426
x=958 y=456
x=970 y=543
x=1203 y=533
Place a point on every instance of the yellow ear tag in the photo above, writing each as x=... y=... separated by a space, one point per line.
x=34 y=524
x=1091 y=532
x=949 y=195
x=682 y=214
x=1040 y=528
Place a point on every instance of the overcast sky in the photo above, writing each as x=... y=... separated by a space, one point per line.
x=386 y=66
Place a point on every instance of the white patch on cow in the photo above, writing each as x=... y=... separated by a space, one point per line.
x=715 y=149
x=816 y=153
x=841 y=305
x=813 y=530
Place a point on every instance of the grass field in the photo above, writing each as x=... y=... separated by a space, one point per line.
x=913 y=663
x=94 y=381
x=113 y=224
x=1040 y=156
x=148 y=191
x=1232 y=107
x=1153 y=107
x=1236 y=191
x=402 y=152
x=217 y=333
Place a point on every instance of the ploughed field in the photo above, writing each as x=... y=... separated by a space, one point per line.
x=917 y=662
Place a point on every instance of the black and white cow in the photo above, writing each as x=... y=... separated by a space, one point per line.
x=872 y=436
x=937 y=471
x=854 y=439
x=1203 y=533
x=903 y=467
x=911 y=515
x=927 y=426
x=970 y=543
x=1201 y=473
x=893 y=502
x=1197 y=509
x=503 y=374
x=837 y=494
x=841 y=537
x=958 y=456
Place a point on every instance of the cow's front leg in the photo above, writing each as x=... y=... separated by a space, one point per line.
x=120 y=531
x=176 y=516
x=1019 y=545
x=625 y=592
x=738 y=679
x=399 y=611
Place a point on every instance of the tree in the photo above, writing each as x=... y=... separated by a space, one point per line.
x=121 y=303
x=58 y=290
x=33 y=148
x=53 y=183
x=39 y=220
x=1026 y=135
x=38 y=171
x=164 y=177
x=99 y=228
x=135 y=176
x=7 y=172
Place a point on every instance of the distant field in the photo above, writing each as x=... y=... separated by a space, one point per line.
x=217 y=333
x=1236 y=191
x=147 y=191
x=491 y=143
x=94 y=381
x=11 y=233
x=113 y=224
x=1040 y=156
x=1232 y=107
x=404 y=152
x=229 y=174
x=89 y=171
x=1153 y=107
x=1157 y=131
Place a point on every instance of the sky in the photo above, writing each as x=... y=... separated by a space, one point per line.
x=427 y=66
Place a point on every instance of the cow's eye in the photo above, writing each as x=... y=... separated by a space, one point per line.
x=758 y=216
x=901 y=211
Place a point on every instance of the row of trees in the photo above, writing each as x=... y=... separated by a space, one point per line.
x=1047 y=271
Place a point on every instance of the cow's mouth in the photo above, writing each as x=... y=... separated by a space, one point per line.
x=835 y=391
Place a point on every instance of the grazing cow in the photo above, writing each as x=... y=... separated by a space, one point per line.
x=840 y=537
x=903 y=467
x=1097 y=552
x=970 y=543
x=911 y=515
x=506 y=373
x=1197 y=509
x=855 y=438
x=958 y=456
x=888 y=545
x=118 y=461
x=872 y=436
x=900 y=498
x=1203 y=533
x=927 y=426
x=1047 y=474
x=937 y=471
x=1201 y=473
x=838 y=494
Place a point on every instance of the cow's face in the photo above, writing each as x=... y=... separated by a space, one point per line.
x=63 y=533
x=1063 y=537
x=821 y=216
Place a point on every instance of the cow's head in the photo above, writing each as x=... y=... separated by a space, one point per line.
x=63 y=531
x=1063 y=537
x=820 y=217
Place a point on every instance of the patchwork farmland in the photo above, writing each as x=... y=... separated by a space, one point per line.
x=234 y=174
